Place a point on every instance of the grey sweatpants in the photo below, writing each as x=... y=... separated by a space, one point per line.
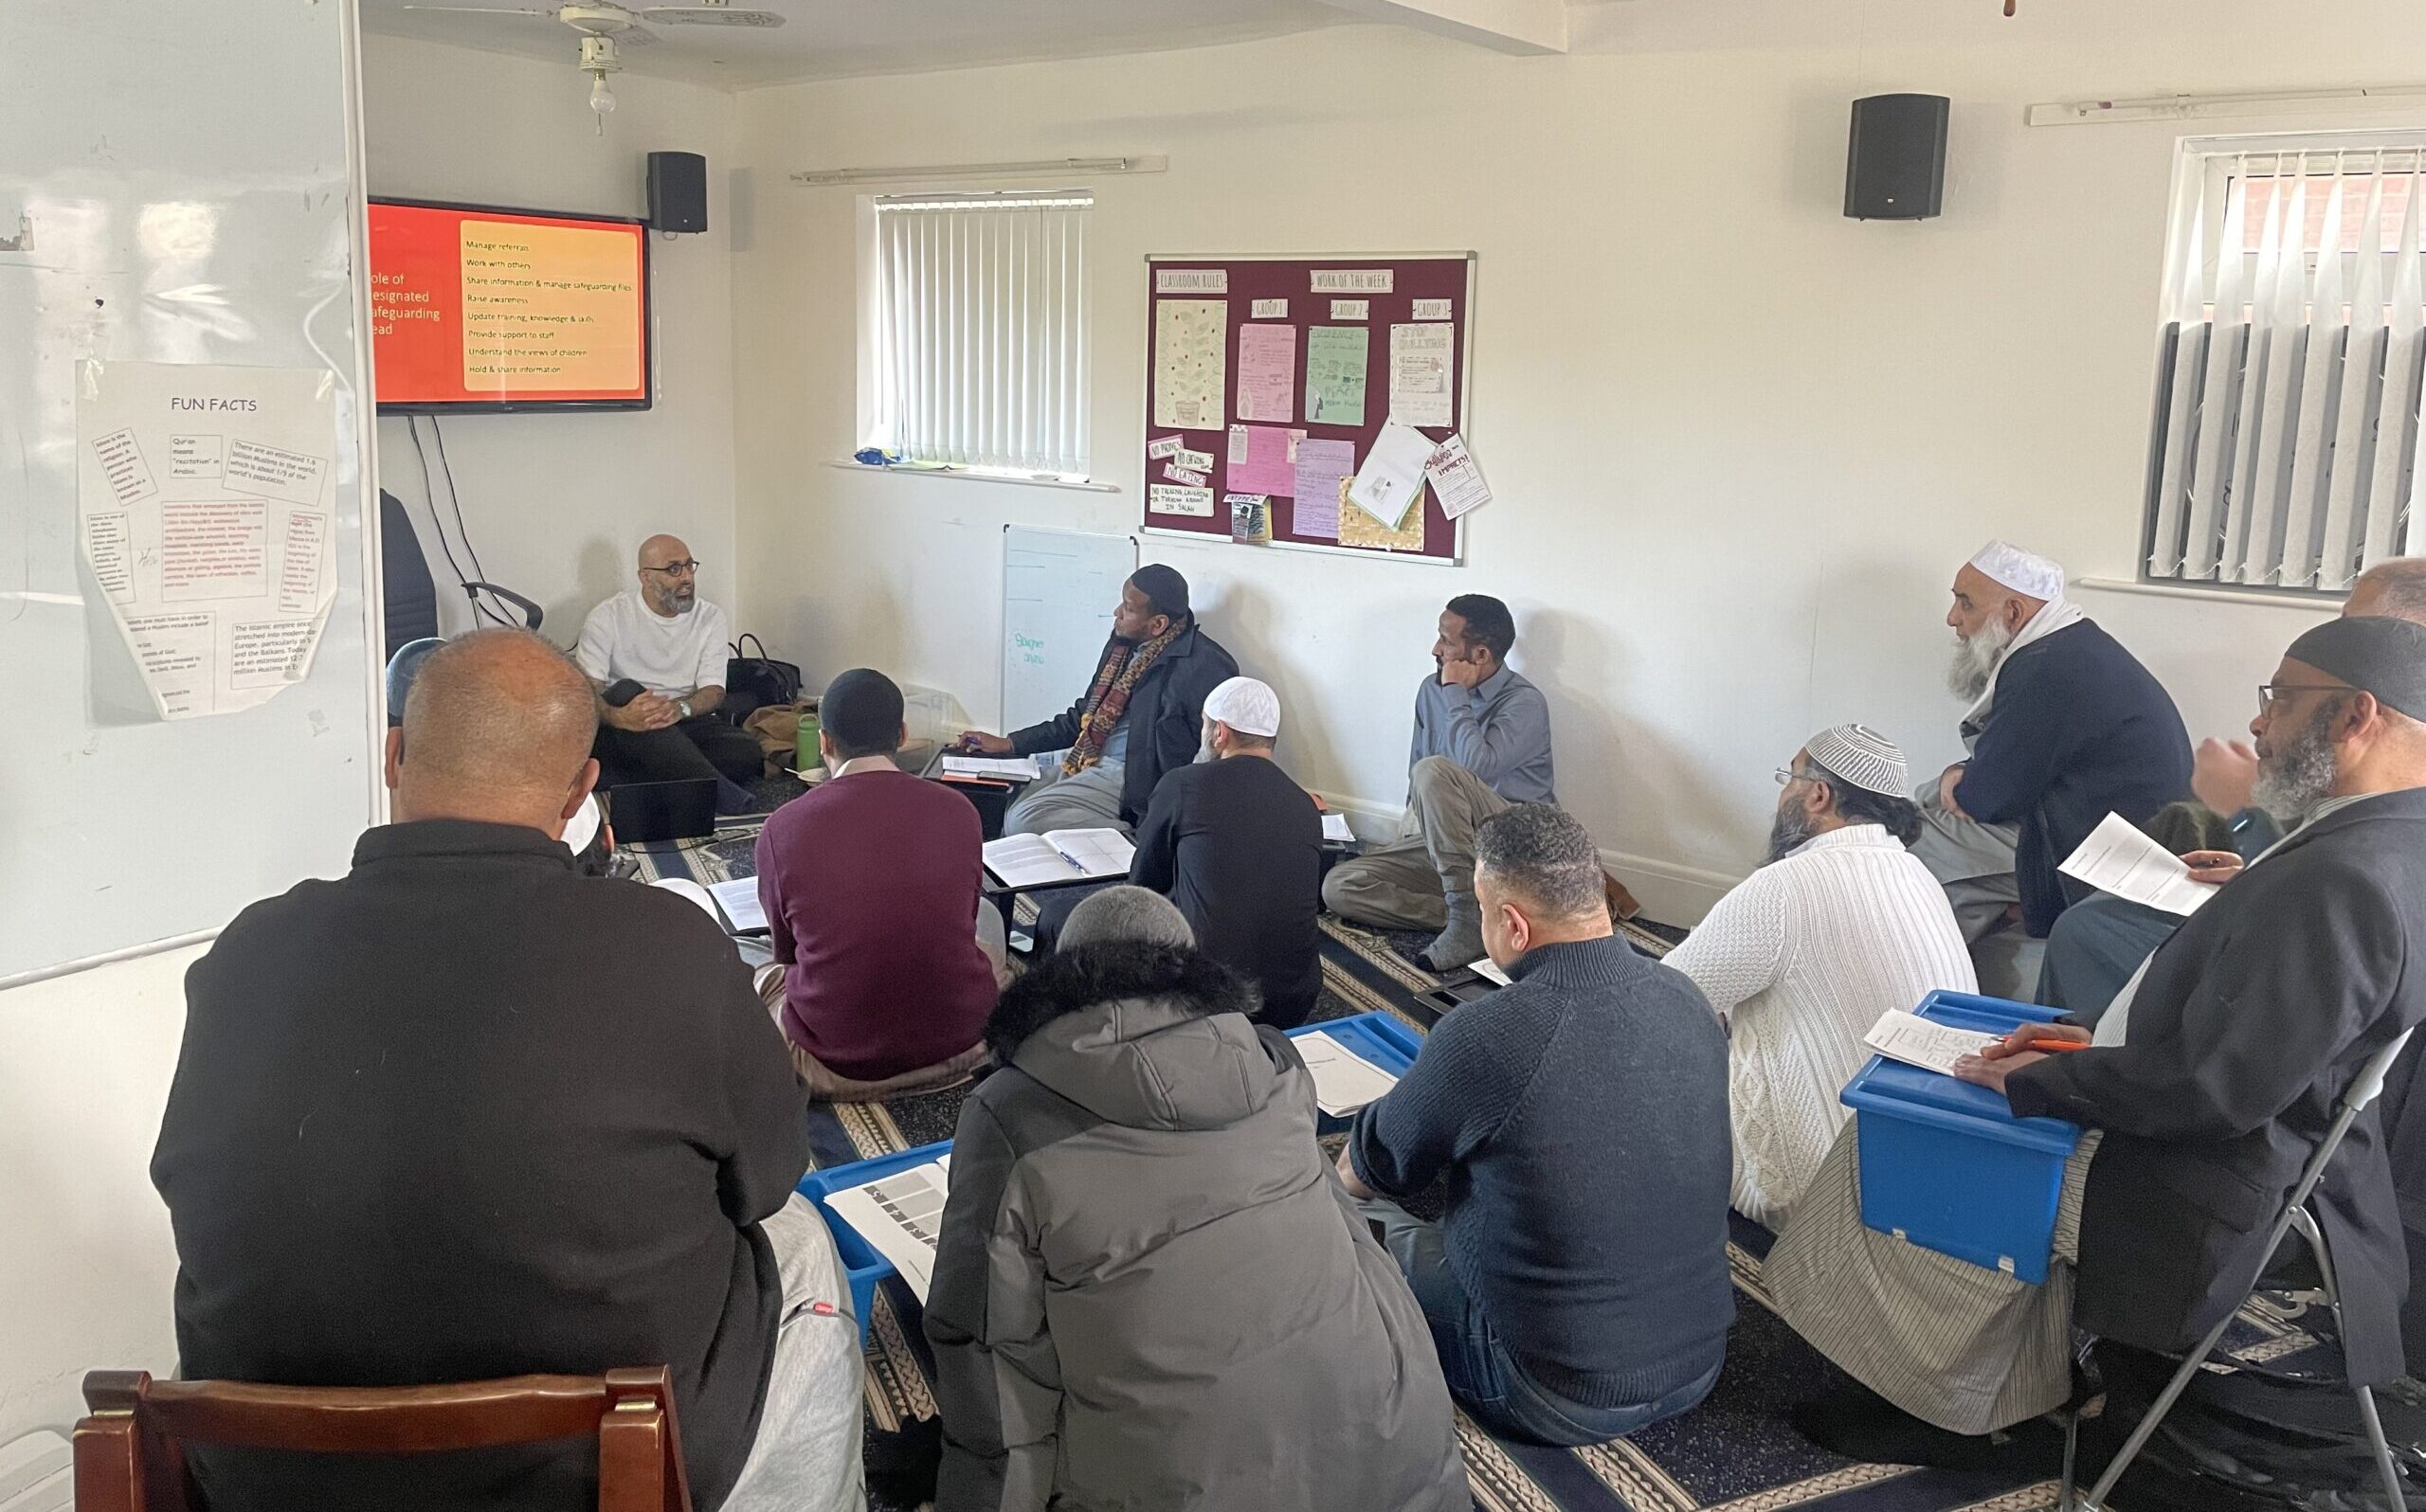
x=1090 y=800
x=1974 y=863
x=1403 y=885
x=806 y=1455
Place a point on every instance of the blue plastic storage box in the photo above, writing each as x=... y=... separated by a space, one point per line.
x=1380 y=1037
x=1946 y=1165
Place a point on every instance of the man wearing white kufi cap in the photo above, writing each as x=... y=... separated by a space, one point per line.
x=1842 y=924
x=2065 y=725
x=1237 y=846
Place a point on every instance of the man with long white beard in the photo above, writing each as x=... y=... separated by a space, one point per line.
x=2065 y=727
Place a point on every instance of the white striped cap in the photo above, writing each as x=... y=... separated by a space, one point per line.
x=1249 y=706
x=2022 y=571
x=1863 y=757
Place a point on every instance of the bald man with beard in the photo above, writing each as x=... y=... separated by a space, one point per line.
x=465 y=1113
x=675 y=644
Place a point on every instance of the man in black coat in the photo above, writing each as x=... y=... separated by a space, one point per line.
x=2216 y=1078
x=1140 y=717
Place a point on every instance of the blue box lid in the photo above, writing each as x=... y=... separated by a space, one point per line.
x=1900 y=1090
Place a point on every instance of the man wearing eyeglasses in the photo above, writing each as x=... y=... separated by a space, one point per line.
x=663 y=635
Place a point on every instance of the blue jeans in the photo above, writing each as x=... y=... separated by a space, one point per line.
x=1484 y=1377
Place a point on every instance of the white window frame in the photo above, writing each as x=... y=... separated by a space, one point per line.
x=2170 y=553
x=875 y=422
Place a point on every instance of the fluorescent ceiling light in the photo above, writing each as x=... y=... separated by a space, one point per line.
x=1148 y=164
x=2200 y=107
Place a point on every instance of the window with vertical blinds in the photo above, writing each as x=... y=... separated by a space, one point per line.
x=2286 y=441
x=981 y=320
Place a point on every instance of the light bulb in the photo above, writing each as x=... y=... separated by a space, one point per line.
x=602 y=99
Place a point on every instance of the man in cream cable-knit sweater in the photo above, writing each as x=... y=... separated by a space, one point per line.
x=1840 y=924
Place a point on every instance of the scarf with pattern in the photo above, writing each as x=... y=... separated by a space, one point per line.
x=1107 y=699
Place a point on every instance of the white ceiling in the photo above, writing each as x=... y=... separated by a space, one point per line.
x=824 y=39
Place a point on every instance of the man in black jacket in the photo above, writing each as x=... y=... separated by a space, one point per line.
x=2217 y=1075
x=465 y=1113
x=1139 y=718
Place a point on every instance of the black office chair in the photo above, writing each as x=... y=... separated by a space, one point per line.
x=412 y=593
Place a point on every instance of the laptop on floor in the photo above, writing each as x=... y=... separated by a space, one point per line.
x=643 y=812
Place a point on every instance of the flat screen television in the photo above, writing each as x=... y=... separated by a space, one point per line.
x=474 y=308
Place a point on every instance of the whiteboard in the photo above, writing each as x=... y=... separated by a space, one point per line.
x=1059 y=590
x=178 y=183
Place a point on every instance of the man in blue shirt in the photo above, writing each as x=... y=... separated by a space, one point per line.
x=1482 y=742
x=1577 y=1285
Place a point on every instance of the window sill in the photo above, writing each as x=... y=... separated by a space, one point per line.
x=964 y=476
x=2281 y=598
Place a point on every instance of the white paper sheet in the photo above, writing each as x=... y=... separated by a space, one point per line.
x=1488 y=971
x=1019 y=768
x=901 y=1216
x=738 y=898
x=2120 y=859
x=1344 y=1081
x=1335 y=828
x=1915 y=1041
x=682 y=886
x=203 y=498
x=1421 y=372
x=1457 y=480
x=1391 y=480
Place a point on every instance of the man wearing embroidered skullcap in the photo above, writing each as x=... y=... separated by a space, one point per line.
x=1136 y=720
x=1839 y=925
x=1237 y=846
x=2065 y=725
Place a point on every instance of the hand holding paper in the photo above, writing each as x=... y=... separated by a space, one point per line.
x=2118 y=858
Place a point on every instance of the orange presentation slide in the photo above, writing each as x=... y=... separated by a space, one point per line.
x=477 y=308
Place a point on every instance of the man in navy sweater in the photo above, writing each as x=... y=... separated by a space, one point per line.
x=1577 y=1287
x=2065 y=727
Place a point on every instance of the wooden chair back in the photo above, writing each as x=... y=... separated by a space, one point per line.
x=130 y=1454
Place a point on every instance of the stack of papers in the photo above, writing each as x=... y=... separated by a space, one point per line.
x=1916 y=1041
x=1344 y=1081
x=1013 y=768
x=901 y=1216
x=1058 y=856
x=2117 y=858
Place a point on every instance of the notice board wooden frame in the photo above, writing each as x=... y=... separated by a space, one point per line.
x=1250 y=276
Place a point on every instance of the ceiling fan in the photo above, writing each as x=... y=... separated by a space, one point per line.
x=603 y=24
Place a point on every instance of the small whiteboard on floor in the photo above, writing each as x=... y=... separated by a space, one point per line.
x=1059 y=590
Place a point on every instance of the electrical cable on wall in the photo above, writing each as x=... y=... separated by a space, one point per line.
x=447 y=468
x=429 y=494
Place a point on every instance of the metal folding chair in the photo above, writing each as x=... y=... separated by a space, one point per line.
x=2295 y=1215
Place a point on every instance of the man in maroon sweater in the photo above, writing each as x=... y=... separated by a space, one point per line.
x=870 y=885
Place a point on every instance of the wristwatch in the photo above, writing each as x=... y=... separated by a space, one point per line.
x=685 y=707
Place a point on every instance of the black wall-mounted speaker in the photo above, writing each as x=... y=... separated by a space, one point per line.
x=1895 y=162
x=677 y=191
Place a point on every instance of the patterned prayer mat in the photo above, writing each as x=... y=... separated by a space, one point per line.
x=1736 y=1452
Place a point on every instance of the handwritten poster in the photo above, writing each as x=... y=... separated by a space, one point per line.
x=1323 y=470
x=1190 y=366
x=1268 y=374
x=1420 y=373
x=1335 y=374
x=1263 y=460
x=205 y=512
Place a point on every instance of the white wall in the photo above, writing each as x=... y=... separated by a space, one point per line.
x=1740 y=443
x=558 y=503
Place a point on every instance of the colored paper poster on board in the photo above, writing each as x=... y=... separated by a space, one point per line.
x=1323 y=469
x=1260 y=459
x=1357 y=528
x=204 y=497
x=1190 y=370
x=1268 y=374
x=1419 y=373
x=1335 y=374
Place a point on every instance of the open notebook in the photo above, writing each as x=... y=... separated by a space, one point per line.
x=1059 y=855
x=1344 y=1081
x=900 y=1216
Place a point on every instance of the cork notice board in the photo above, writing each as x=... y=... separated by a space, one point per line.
x=1269 y=378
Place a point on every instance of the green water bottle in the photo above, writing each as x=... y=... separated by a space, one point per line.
x=804 y=749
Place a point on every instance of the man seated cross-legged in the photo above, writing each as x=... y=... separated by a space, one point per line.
x=465 y=1113
x=1577 y=1287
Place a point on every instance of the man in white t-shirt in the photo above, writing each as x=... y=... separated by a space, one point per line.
x=675 y=645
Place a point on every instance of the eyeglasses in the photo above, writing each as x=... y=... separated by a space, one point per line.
x=1787 y=776
x=677 y=570
x=2271 y=694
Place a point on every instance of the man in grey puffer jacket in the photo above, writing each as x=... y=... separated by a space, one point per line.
x=1151 y=1290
